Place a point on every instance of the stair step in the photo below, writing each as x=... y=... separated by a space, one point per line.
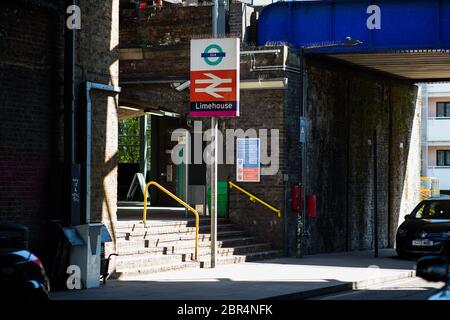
x=126 y=272
x=204 y=262
x=221 y=260
x=125 y=247
x=153 y=231
x=168 y=244
x=127 y=251
x=144 y=260
x=123 y=244
x=157 y=238
x=138 y=224
x=236 y=250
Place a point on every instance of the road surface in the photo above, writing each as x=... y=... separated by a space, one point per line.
x=405 y=289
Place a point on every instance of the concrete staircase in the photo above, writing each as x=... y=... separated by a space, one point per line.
x=168 y=244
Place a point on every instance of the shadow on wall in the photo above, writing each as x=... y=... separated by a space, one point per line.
x=346 y=107
x=30 y=116
x=98 y=61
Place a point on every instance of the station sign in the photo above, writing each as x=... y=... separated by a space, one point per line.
x=214 y=76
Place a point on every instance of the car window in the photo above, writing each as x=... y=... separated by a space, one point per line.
x=434 y=210
x=419 y=211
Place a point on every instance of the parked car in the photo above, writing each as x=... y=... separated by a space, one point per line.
x=435 y=269
x=22 y=275
x=427 y=229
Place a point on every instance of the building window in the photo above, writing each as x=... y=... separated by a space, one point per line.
x=443 y=158
x=443 y=110
x=129 y=141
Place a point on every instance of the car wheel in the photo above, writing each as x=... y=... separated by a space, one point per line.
x=37 y=296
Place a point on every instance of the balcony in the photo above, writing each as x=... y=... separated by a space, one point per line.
x=443 y=174
x=438 y=131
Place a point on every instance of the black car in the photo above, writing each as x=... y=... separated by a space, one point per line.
x=22 y=275
x=435 y=269
x=427 y=229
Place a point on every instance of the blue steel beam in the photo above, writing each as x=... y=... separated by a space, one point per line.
x=400 y=25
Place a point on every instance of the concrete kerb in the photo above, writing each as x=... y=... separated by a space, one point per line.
x=355 y=285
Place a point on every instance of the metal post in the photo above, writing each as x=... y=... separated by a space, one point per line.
x=214 y=144
x=221 y=17
x=375 y=191
x=215 y=17
x=285 y=218
x=72 y=168
x=143 y=143
x=187 y=161
x=213 y=167
x=86 y=163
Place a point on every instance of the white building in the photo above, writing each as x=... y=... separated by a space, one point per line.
x=436 y=133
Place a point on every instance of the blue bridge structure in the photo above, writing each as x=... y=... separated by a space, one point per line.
x=405 y=38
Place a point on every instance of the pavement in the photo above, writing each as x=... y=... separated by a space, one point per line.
x=283 y=278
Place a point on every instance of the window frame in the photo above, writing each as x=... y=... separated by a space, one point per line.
x=426 y=207
x=446 y=158
x=446 y=109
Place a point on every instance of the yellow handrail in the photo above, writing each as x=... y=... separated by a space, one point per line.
x=253 y=198
x=184 y=204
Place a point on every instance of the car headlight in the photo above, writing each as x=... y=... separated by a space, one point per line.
x=401 y=233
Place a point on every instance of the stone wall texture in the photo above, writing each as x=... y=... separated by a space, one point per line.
x=169 y=25
x=98 y=61
x=31 y=109
x=346 y=109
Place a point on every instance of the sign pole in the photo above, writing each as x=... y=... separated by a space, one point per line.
x=213 y=170
x=214 y=92
x=214 y=145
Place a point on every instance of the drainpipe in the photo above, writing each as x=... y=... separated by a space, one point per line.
x=72 y=169
x=87 y=146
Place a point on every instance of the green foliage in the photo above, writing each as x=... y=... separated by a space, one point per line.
x=129 y=141
x=129 y=138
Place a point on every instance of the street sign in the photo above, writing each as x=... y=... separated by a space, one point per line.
x=214 y=79
x=302 y=130
x=248 y=160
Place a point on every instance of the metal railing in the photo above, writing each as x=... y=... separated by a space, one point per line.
x=184 y=204
x=254 y=198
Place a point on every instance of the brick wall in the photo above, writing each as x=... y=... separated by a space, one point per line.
x=242 y=22
x=98 y=61
x=31 y=112
x=177 y=25
x=260 y=110
x=290 y=149
x=166 y=26
x=345 y=107
x=30 y=116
